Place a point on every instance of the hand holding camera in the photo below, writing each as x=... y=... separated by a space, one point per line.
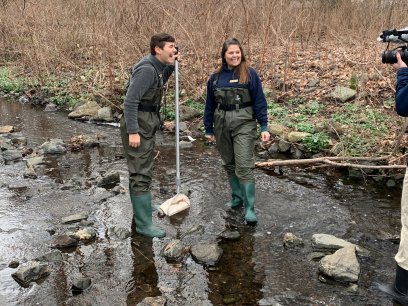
x=399 y=55
x=400 y=63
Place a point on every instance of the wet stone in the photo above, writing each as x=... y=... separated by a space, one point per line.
x=74 y=218
x=109 y=180
x=87 y=233
x=53 y=256
x=291 y=241
x=32 y=161
x=14 y=264
x=342 y=265
x=54 y=146
x=173 y=250
x=80 y=283
x=30 y=272
x=64 y=241
x=153 y=301
x=30 y=173
x=230 y=235
x=208 y=254
x=325 y=242
x=6 y=129
x=119 y=232
x=12 y=155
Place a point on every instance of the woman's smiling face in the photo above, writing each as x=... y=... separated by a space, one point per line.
x=233 y=56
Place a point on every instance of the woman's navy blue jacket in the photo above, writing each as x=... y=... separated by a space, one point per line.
x=401 y=96
x=255 y=90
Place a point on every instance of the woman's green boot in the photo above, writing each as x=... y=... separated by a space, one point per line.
x=237 y=198
x=248 y=190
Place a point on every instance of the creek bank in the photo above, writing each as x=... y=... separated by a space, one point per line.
x=298 y=135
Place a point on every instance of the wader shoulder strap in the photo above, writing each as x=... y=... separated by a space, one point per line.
x=130 y=71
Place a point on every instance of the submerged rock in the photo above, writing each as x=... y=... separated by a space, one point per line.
x=230 y=235
x=30 y=173
x=119 y=232
x=64 y=241
x=80 y=283
x=87 y=233
x=31 y=272
x=291 y=240
x=208 y=254
x=54 y=146
x=74 y=218
x=173 y=250
x=153 y=301
x=53 y=256
x=109 y=180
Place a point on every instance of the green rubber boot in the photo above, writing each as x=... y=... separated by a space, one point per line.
x=248 y=190
x=142 y=213
x=237 y=198
x=155 y=207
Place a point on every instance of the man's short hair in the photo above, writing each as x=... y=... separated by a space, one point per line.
x=159 y=40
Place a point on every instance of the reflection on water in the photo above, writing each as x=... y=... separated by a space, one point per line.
x=144 y=276
x=234 y=280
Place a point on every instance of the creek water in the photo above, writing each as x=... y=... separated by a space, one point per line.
x=254 y=270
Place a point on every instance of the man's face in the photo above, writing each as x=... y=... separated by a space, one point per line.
x=166 y=55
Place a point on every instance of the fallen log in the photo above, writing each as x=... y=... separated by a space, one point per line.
x=332 y=161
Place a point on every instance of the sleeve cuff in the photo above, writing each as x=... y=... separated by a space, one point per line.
x=264 y=128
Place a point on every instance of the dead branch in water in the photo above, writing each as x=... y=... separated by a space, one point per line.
x=332 y=161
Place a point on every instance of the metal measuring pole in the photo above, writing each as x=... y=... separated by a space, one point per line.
x=177 y=130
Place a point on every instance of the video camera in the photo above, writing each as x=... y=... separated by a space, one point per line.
x=394 y=36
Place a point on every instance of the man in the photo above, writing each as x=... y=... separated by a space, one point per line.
x=399 y=290
x=139 y=125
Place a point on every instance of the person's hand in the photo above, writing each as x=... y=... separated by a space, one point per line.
x=134 y=140
x=177 y=57
x=176 y=54
x=265 y=136
x=400 y=63
x=210 y=138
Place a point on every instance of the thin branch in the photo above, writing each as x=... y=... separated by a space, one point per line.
x=334 y=161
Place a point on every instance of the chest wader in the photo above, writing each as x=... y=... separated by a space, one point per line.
x=140 y=161
x=235 y=132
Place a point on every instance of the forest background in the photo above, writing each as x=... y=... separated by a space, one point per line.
x=73 y=51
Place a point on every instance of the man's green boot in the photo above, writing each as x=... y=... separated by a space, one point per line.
x=237 y=198
x=155 y=207
x=142 y=213
x=248 y=190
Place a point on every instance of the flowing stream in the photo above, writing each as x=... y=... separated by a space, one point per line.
x=255 y=270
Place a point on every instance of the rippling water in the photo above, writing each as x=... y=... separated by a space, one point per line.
x=257 y=269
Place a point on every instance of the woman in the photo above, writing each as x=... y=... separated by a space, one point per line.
x=235 y=101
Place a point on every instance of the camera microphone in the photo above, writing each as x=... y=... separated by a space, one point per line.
x=394 y=36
